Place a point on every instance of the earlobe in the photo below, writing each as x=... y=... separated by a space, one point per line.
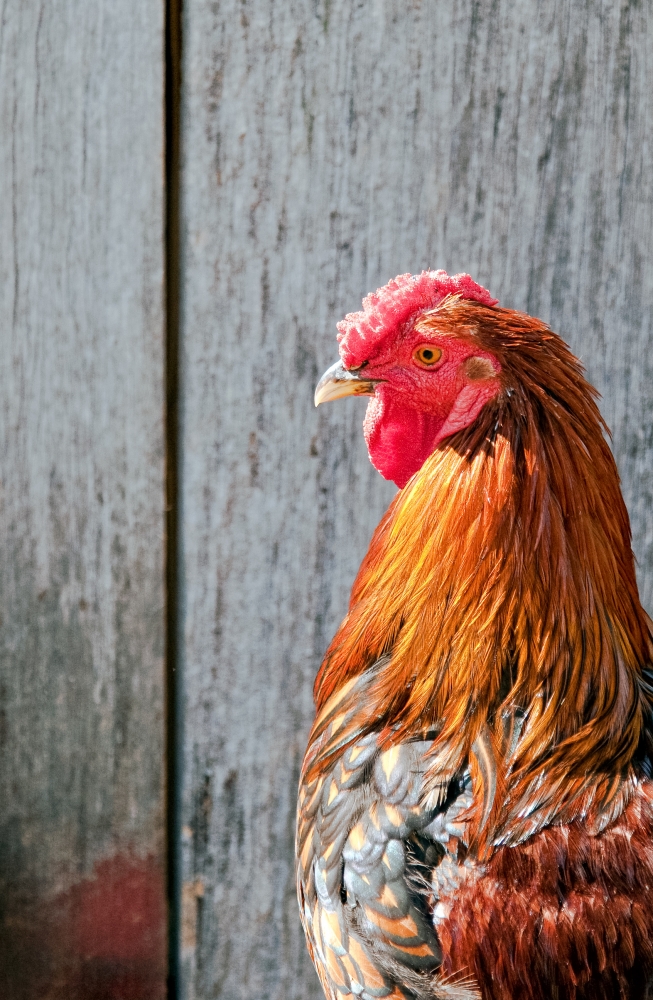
x=478 y=369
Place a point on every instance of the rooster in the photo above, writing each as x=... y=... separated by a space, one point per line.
x=475 y=812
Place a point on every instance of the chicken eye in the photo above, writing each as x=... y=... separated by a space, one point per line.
x=427 y=354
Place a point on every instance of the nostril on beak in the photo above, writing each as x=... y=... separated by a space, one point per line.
x=339 y=381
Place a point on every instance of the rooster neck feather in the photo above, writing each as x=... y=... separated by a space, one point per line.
x=501 y=583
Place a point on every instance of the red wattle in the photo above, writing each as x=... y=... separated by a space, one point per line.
x=399 y=438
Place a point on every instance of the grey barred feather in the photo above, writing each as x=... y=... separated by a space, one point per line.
x=373 y=863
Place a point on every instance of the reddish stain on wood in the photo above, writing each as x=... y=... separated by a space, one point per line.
x=119 y=915
x=102 y=939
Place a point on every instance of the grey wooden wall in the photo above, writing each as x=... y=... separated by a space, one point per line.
x=326 y=146
x=82 y=866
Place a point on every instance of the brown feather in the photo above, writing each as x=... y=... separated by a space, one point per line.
x=564 y=915
x=501 y=582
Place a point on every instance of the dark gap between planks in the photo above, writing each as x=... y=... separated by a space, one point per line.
x=172 y=293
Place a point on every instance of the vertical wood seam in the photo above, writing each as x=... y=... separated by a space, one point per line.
x=172 y=292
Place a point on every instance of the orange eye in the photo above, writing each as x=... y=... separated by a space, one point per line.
x=427 y=354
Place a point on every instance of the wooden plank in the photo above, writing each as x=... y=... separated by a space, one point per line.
x=327 y=147
x=82 y=873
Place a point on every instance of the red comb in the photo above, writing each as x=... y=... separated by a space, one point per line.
x=388 y=308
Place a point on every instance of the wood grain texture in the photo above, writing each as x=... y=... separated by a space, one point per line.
x=82 y=872
x=327 y=147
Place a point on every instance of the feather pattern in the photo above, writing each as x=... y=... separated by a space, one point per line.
x=482 y=748
x=502 y=582
x=367 y=848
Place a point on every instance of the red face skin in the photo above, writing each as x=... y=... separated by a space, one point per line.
x=416 y=406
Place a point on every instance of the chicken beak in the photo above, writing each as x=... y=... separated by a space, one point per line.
x=337 y=382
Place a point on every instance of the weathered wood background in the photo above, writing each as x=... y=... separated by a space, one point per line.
x=326 y=146
x=329 y=145
x=82 y=867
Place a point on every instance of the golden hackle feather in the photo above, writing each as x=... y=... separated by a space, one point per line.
x=499 y=585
